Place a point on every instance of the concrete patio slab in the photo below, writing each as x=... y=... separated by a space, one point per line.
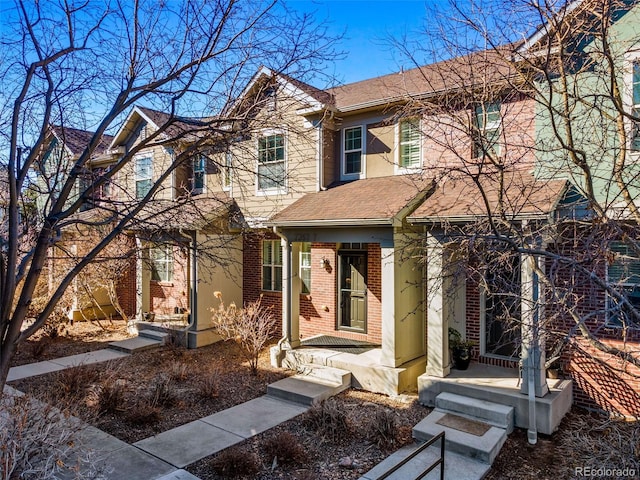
x=97 y=356
x=255 y=416
x=178 y=475
x=136 y=344
x=32 y=370
x=456 y=467
x=133 y=464
x=188 y=443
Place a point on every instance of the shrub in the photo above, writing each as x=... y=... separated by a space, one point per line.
x=209 y=386
x=143 y=413
x=110 y=396
x=72 y=381
x=384 y=430
x=285 y=448
x=179 y=371
x=328 y=420
x=251 y=327
x=162 y=392
x=235 y=462
x=38 y=441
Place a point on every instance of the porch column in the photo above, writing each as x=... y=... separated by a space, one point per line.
x=291 y=292
x=141 y=302
x=533 y=354
x=439 y=308
x=388 y=287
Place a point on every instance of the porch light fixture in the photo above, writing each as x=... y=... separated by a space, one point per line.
x=324 y=262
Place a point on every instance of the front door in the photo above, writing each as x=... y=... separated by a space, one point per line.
x=502 y=310
x=353 y=291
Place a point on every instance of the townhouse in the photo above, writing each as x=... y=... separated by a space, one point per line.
x=378 y=215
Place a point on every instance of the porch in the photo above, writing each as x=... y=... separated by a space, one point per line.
x=502 y=385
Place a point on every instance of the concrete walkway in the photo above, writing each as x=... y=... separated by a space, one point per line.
x=162 y=456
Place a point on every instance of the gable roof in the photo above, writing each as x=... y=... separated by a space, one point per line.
x=473 y=69
x=462 y=199
x=76 y=140
x=372 y=201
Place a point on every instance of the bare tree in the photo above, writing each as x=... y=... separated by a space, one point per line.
x=534 y=101
x=85 y=64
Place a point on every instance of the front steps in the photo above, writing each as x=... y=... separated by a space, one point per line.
x=474 y=428
x=148 y=338
x=312 y=384
x=475 y=431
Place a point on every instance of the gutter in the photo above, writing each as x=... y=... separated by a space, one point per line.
x=343 y=222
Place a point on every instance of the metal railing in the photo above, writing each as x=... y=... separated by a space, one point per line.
x=417 y=451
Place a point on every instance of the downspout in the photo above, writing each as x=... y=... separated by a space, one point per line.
x=287 y=301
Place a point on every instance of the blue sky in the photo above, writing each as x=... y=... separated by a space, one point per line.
x=366 y=26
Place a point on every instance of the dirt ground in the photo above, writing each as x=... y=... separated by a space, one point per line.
x=157 y=390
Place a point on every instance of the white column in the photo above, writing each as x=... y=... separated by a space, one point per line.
x=438 y=310
x=140 y=300
x=388 y=288
x=533 y=354
x=290 y=293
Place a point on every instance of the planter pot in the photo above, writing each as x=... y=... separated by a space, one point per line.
x=461 y=357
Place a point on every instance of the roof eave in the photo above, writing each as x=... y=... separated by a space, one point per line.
x=343 y=222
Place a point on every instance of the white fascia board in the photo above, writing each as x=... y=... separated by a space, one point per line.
x=543 y=30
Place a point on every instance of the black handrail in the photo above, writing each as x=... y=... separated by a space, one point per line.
x=417 y=451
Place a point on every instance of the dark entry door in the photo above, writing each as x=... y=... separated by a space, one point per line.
x=502 y=310
x=353 y=290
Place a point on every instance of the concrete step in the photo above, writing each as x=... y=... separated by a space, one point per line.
x=456 y=466
x=332 y=375
x=154 y=335
x=484 y=448
x=475 y=409
x=135 y=344
x=304 y=389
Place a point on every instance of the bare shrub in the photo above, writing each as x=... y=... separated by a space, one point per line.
x=40 y=442
x=235 y=462
x=328 y=420
x=39 y=348
x=209 y=386
x=251 y=327
x=109 y=396
x=179 y=371
x=143 y=413
x=286 y=449
x=162 y=392
x=73 y=381
x=383 y=430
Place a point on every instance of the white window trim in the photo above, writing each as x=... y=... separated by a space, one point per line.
x=199 y=191
x=168 y=260
x=363 y=158
x=486 y=126
x=136 y=178
x=275 y=244
x=608 y=321
x=277 y=190
x=630 y=59
x=228 y=174
x=303 y=267
x=399 y=169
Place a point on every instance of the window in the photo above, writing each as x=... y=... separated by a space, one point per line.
x=271 y=265
x=199 y=163
x=143 y=171
x=409 y=143
x=487 y=117
x=624 y=272
x=161 y=263
x=305 y=267
x=635 y=133
x=271 y=162
x=352 y=150
x=227 y=171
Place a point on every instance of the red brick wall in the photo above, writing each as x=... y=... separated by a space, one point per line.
x=165 y=296
x=315 y=319
x=126 y=287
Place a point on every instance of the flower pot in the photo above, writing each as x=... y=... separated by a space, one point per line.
x=461 y=357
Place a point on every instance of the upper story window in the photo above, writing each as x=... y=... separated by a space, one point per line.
x=143 y=174
x=161 y=259
x=305 y=267
x=199 y=163
x=271 y=265
x=352 y=143
x=409 y=143
x=487 y=123
x=227 y=171
x=635 y=107
x=624 y=272
x=271 y=162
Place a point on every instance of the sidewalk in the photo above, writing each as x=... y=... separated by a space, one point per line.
x=163 y=456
